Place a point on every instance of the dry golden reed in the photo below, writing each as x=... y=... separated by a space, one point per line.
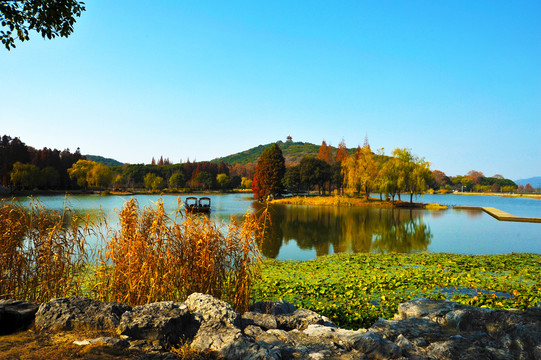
x=43 y=253
x=152 y=256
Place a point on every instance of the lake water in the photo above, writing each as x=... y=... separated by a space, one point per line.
x=300 y=232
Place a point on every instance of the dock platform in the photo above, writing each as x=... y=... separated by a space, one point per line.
x=500 y=215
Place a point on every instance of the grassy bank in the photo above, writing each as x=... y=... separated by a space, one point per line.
x=333 y=201
x=354 y=290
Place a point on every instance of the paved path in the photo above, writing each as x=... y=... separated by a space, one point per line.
x=501 y=215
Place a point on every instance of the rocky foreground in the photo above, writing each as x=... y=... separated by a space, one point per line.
x=422 y=329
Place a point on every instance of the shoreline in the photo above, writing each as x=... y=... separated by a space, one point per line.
x=115 y=193
x=529 y=196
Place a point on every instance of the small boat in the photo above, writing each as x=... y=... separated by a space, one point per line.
x=194 y=205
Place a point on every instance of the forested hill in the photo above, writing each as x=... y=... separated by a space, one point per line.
x=103 y=160
x=293 y=153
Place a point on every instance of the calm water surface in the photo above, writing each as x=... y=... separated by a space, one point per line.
x=299 y=232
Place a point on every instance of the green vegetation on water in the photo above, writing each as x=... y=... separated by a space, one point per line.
x=354 y=290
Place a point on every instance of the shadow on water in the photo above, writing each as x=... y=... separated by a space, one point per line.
x=338 y=229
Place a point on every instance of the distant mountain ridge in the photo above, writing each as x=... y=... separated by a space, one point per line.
x=103 y=160
x=293 y=153
x=534 y=181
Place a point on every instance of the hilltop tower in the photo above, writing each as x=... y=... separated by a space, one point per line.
x=289 y=138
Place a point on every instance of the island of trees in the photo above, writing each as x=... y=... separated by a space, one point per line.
x=328 y=170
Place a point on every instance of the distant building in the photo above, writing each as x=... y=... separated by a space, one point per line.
x=289 y=138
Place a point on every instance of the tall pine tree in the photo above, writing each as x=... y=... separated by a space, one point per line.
x=269 y=173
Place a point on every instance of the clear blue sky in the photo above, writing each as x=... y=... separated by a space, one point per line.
x=458 y=82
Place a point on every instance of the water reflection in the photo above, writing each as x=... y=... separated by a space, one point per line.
x=339 y=229
x=472 y=213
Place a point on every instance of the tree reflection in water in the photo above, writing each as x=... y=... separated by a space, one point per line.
x=341 y=229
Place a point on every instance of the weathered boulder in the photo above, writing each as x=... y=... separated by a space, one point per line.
x=164 y=321
x=16 y=315
x=466 y=332
x=300 y=319
x=212 y=309
x=275 y=307
x=286 y=315
x=264 y=321
x=216 y=325
x=79 y=312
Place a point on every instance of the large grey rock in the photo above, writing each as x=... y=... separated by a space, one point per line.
x=164 y=321
x=279 y=307
x=79 y=312
x=286 y=315
x=466 y=332
x=217 y=327
x=264 y=321
x=300 y=319
x=411 y=328
x=212 y=309
x=435 y=310
x=16 y=315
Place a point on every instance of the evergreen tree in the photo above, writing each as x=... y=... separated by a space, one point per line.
x=270 y=171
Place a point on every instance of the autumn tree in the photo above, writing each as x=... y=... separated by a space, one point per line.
x=324 y=152
x=90 y=173
x=246 y=183
x=80 y=172
x=48 y=18
x=27 y=176
x=440 y=179
x=413 y=172
x=154 y=182
x=222 y=180
x=388 y=178
x=100 y=176
x=475 y=176
x=342 y=152
x=360 y=171
x=269 y=173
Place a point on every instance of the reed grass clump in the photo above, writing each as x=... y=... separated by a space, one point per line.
x=43 y=253
x=152 y=256
x=157 y=257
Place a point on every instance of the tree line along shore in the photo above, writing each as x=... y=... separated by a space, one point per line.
x=359 y=172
